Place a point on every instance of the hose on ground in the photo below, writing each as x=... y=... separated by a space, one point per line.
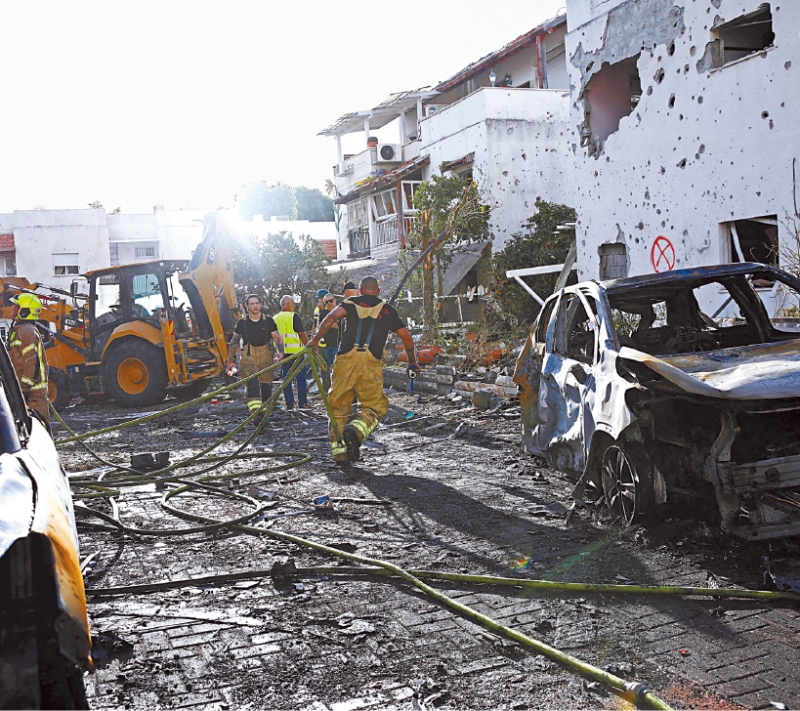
x=109 y=483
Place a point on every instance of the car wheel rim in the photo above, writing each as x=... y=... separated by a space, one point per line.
x=620 y=482
x=132 y=376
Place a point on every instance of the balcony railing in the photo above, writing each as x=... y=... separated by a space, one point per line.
x=386 y=231
x=359 y=240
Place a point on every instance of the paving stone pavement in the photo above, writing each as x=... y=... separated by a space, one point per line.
x=346 y=644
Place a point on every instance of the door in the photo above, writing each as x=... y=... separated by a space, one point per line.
x=567 y=385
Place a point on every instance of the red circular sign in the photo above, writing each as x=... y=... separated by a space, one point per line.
x=662 y=255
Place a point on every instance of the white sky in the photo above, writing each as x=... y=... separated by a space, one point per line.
x=182 y=103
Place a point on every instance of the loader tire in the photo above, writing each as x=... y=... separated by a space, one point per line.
x=58 y=388
x=135 y=373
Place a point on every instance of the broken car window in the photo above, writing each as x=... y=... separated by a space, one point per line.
x=575 y=330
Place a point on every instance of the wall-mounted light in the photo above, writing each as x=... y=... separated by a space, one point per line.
x=493 y=77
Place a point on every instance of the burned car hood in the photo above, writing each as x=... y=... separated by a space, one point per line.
x=761 y=372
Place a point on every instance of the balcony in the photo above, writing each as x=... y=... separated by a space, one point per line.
x=547 y=106
x=386 y=231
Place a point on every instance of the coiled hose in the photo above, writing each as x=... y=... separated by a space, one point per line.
x=109 y=484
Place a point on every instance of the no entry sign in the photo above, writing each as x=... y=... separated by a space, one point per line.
x=662 y=255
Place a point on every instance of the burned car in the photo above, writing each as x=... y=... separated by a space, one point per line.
x=44 y=629
x=681 y=386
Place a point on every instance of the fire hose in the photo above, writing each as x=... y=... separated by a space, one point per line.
x=109 y=485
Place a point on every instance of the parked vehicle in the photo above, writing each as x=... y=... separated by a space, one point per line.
x=44 y=629
x=670 y=387
x=143 y=329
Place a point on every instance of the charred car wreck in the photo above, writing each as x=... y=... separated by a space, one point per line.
x=45 y=643
x=674 y=386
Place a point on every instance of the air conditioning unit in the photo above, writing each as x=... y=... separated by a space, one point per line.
x=344 y=168
x=389 y=153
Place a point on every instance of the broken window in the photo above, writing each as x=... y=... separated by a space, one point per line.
x=613 y=260
x=383 y=204
x=575 y=330
x=754 y=240
x=744 y=36
x=610 y=95
x=358 y=227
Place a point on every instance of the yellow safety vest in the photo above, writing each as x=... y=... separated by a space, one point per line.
x=285 y=323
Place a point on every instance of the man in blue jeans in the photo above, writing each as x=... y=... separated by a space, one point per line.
x=294 y=339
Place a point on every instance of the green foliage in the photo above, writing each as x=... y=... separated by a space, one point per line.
x=451 y=206
x=538 y=245
x=312 y=205
x=451 y=203
x=268 y=200
x=277 y=265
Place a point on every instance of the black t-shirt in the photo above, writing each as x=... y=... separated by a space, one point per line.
x=332 y=336
x=388 y=320
x=255 y=333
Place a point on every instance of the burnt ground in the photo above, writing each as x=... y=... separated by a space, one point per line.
x=448 y=490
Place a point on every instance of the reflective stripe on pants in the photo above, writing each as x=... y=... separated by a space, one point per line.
x=357 y=374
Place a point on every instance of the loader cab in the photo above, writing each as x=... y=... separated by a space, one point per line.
x=143 y=295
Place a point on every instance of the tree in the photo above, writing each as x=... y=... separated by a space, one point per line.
x=276 y=200
x=451 y=206
x=540 y=244
x=312 y=205
x=277 y=265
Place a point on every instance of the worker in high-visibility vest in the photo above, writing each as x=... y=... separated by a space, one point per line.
x=358 y=368
x=294 y=337
x=27 y=353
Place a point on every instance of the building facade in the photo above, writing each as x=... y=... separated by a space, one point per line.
x=502 y=121
x=687 y=124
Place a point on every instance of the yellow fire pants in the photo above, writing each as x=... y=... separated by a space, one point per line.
x=357 y=374
x=255 y=358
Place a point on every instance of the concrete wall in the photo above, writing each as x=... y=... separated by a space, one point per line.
x=521 y=145
x=703 y=146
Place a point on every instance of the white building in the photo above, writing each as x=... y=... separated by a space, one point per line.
x=55 y=247
x=688 y=117
x=503 y=120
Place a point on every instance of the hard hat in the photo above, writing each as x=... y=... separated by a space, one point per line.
x=322 y=293
x=29 y=306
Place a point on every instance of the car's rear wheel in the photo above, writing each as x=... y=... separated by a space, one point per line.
x=627 y=481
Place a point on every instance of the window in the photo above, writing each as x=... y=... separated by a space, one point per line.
x=144 y=252
x=744 y=36
x=544 y=319
x=357 y=214
x=64 y=264
x=575 y=330
x=409 y=188
x=753 y=240
x=383 y=204
x=9 y=265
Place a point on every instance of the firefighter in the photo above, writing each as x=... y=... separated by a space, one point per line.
x=26 y=348
x=255 y=331
x=358 y=368
x=325 y=304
